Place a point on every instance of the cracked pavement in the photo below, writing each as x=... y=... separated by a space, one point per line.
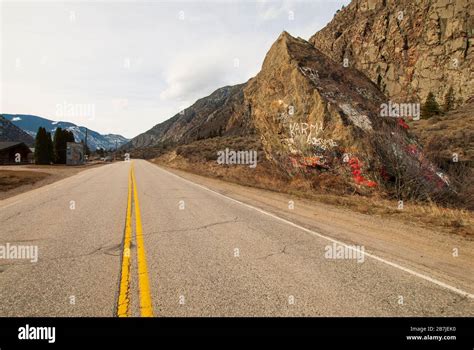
x=215 y=257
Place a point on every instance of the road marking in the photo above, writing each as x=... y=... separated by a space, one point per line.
x=387 y=262
x=124 y=294
x=146 y=308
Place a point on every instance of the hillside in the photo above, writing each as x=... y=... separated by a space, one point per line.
x=10 y=132
x=31 y=123
x=448 y=135
x=220 y=114
x=407 y=48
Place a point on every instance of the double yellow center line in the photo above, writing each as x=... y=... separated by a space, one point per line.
x=146 y=307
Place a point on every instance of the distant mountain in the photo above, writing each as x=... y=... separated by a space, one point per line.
x=31 y=123
x=11 y=132
x=213 y=115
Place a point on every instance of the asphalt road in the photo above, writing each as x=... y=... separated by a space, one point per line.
x=193 y=252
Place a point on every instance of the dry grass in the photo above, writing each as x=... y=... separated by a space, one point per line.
x=10 y=179
x=16 y=179
x=455 y=221
x=200 y=158
x=454 y=130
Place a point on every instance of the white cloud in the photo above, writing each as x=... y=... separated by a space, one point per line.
x=171 y=62
x=192 y=74
x=272 y=10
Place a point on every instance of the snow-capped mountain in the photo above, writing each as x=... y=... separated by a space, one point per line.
x=31 y=123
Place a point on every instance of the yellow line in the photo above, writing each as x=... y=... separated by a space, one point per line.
x=146 y=308
x=124 y=296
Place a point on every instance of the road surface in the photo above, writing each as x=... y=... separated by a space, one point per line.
x=173 y=247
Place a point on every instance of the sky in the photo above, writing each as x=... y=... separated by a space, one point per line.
x=124 y=66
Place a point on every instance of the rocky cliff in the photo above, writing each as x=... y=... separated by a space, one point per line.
x=407 y=47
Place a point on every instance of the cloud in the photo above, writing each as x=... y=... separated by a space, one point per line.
x=194 y=73
x=138 y=62
x=271 y=10
x=201 y=71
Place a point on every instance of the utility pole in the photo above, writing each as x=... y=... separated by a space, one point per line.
x=115 y=153
x=87 y=157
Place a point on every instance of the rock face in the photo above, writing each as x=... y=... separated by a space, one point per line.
x=220 y=114
x=309 y=109
x=10 y=132
x=312 y=115
x=407 y=47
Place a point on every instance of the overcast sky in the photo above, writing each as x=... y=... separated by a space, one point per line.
x=124 y=66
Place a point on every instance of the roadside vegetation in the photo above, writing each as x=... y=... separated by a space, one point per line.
x=200 y=158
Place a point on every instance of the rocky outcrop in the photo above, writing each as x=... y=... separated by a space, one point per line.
x=408 y=48
x=313 y=116
x=310 y=111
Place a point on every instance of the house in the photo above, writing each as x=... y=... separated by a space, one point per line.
x=14 y=153
x=74 y=153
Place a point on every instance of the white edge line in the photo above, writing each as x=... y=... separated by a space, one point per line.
x=414 y=273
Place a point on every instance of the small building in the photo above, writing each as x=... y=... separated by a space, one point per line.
x=74 y=153
x=14 y=153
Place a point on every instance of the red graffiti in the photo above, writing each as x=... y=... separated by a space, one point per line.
x=401 y=123
x=355 y=165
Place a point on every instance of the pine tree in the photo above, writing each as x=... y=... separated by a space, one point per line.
x=43 y=147
x=431 y=107
x=49 y=148
x=449 y=100
x=61 y=138
x=57 y=142
x=70 y=136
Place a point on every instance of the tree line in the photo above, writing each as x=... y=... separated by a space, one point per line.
x=52 y=149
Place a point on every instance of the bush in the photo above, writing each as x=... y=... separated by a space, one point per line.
x=431 y=107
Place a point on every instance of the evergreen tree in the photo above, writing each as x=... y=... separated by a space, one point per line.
x=431 y=107
x=61 y=138
x=49 y=147
x=449 y=100
x=58 y=145
x=43 y=147
x=69 y=136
